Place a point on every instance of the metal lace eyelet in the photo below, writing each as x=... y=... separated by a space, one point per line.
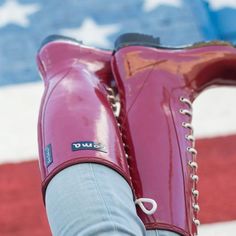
x=196 y=222
x=193 y=164
x=196 y=207
x=195 y=178
x=190 y=137
x=185 y=112
x=185 y=100
x=192 y=150
x=187 y=125
x=195 y=193
x=111 y=98
x=110 y=91
x=113 y=106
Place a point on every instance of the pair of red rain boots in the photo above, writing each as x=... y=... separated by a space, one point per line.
x=149 y=140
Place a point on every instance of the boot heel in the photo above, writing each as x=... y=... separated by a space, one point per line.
x=136 y=39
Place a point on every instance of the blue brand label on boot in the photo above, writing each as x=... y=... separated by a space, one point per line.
x=48 y=155
x=87 y=145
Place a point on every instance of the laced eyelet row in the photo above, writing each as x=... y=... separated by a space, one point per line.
x=112 y=99
x=114 y=104
x=192 y=164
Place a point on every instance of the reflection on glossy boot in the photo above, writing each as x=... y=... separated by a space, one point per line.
x=157 y=86
x=76 y=120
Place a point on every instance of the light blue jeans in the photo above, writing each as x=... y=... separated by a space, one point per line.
x=91 y=199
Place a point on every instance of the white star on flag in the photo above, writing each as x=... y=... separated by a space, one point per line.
x=91 y=33
x=12 y=12
x=150 y=5
x=219 y=4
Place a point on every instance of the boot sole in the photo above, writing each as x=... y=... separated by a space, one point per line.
x=55 y=37
x=136 y=39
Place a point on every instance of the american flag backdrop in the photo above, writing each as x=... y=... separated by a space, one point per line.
x=25 y=23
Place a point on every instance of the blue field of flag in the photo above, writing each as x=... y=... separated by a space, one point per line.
x=25 y=23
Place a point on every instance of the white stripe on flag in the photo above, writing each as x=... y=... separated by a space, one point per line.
x=214 y=112
x=19 y=105
x=218 y=229
x=214 y=115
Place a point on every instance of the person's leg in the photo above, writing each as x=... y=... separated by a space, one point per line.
x=91 y=199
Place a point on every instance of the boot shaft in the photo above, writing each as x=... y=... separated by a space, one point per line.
x=150 y=131
x=58 y=53
x=76 y=121
x=193 y=68
x=157 y=87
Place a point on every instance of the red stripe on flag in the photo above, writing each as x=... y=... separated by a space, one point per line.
x=217 y=185
x=22 y=211
x=21 y=207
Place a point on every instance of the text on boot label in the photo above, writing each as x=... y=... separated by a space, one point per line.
x=88 y=145
x=48 y=155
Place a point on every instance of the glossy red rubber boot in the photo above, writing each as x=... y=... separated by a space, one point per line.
x=157 y=86
x=76 y=120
